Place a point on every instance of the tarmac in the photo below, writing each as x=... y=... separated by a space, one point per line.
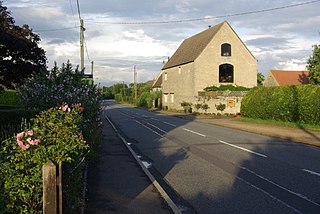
x=117 y=184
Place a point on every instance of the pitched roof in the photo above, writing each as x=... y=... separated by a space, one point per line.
x=192 y=47
x=290 y=77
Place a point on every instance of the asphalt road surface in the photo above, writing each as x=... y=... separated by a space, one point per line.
x=211 y=169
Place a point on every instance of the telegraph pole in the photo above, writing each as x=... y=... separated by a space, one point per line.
x=92 y=68
x=82 y=29
x=135 y=82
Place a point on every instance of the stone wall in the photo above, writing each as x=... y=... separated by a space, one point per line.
x=231 y=99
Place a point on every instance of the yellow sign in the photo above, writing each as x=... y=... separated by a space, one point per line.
x=231 y=103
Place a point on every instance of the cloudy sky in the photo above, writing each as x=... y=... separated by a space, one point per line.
x=123 y=33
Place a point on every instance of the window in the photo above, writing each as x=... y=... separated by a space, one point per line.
x=165 y=98
x=165 y=76
x=172 y=98
x=226 y=73
x=225 y=49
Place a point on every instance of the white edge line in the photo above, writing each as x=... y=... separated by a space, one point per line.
x=311 y=172
x=163 y=193
x=188 y=130
x=244 y=149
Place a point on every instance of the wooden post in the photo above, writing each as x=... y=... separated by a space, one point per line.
x=49 y=179
x=60 y=187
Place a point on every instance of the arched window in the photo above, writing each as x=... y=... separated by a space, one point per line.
x=226 y=73
x=225 y=49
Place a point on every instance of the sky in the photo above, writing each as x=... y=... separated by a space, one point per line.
x=122 y=33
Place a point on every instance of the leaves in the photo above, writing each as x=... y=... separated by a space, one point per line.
x=314 y=66
x=20 y=54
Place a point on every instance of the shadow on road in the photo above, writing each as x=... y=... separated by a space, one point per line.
x=202 y=179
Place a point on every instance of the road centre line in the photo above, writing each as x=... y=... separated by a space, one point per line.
x=197 y=133
x=311 y=172
x=244 y=149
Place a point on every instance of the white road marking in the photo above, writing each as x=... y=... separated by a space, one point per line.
x=281 y=187
x=244 y=149
x=149 y=128
x=156 y=127
x=170 y=124
x=311 y=172
x=197 y=133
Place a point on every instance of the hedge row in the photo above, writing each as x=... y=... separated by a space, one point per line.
x=299 y=104
x=9 y=98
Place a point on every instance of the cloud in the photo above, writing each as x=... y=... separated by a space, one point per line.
x=279 y=39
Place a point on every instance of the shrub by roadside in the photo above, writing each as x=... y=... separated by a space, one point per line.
x=288 y=103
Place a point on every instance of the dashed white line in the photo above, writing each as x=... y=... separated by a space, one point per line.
x=197 y=133
x=311 y=172
x=244 y=149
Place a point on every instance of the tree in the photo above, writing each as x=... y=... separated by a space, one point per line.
x=314 y=66
x=260 y=78
x=20 y=55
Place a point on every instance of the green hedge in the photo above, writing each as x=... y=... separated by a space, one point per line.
x=15 y=116
x=226 y=88
x=287 y=103
x=9 y=98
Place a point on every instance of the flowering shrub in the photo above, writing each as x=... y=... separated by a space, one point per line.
x=65 y=84
x=55 y=135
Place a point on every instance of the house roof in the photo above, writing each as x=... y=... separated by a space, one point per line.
x=290 y=77
x=192 y=47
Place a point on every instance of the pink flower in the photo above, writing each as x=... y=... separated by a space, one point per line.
x=84 y=142
x=36 y=142
x=20 y=136
x=30 y=133
x=23 y=147
x=30 y=141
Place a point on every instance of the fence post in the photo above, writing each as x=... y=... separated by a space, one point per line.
x=49 y=177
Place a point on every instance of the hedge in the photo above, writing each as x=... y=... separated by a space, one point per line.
x=299 y=104
x=9 y=98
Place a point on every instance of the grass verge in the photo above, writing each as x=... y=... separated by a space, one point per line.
x=279 y=123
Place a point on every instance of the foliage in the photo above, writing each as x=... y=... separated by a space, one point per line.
x=187 y=107
x=205 y=107
x=20 y=54
x=55 y=135
x=314 y=66
x=197 y=106
x=260 y=78
x=107 y=93
x=9 y=98
x=51 y=88
x=146 y=99
x=226 y=88
x=221 y=107
x=298 y=104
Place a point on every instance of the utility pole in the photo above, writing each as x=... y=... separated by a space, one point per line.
x=92 y=68
x=82 y=29
x=135 y=82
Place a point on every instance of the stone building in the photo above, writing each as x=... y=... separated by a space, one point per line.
x=215 y=56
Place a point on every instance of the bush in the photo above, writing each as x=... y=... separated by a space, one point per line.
x=9 y=98
x=55 y=135
x=288 y=103
x=187 y=107
x=226 y=88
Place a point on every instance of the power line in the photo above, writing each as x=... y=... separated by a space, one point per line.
x=72 y=13
x=78 y=9
x=210 y=18
x=57 y=29
x=85 y=45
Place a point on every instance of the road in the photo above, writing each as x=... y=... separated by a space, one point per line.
x=212 y=169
